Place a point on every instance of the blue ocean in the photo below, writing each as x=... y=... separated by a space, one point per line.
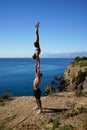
x=17 y=74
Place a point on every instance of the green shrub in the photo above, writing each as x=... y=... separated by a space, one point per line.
x=72 y=112
x=83 y=63
x=84 y=58
x=57 y=127
x=5 y=96
x=55 y=124
x=77 y=59
x=67 y=127
x=79 y=93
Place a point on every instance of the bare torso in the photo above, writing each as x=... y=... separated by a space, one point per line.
x=36 y=82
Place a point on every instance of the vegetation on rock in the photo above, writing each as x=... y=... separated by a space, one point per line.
x=75 y=76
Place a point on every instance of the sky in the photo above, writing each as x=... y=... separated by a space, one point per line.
x=63 y=26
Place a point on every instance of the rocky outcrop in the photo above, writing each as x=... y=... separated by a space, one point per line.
x=75 y=76
x=49 y=90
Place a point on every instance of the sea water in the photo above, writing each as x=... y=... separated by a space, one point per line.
x=17 y=74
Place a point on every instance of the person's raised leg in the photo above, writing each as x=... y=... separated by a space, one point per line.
x=36 y=43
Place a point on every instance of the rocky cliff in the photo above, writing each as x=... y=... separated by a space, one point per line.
x=75 y=76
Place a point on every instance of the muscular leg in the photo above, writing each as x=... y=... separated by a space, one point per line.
x=39 y=104
x=36 y=43
x=38 y=50
x=37 y=36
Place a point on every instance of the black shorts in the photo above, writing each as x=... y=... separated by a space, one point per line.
x=34 y=56
x=36 y=44
x=37 y=93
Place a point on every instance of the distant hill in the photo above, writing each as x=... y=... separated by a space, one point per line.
x=64 y=55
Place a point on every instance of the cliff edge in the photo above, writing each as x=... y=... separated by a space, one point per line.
x=75 y=76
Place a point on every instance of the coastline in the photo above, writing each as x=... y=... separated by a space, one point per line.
x=61 y=110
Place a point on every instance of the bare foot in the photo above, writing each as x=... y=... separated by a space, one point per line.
x=37 y=25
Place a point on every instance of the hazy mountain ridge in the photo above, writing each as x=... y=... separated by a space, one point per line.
x=64 y=55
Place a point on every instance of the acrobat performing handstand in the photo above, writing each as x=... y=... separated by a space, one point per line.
x=37 y=46
x=38 y=74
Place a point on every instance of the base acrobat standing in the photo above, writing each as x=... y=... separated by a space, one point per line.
x=38 y=74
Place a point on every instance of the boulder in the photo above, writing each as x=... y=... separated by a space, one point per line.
x=49 y=90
